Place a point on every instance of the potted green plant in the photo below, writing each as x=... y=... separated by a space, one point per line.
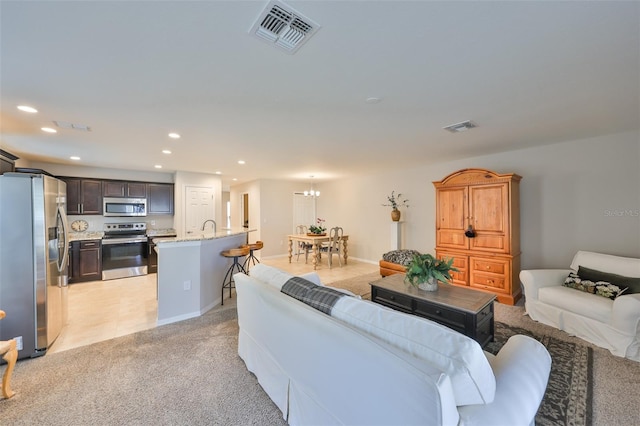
x=396 y=201
x=319 y=228
x=424 y=271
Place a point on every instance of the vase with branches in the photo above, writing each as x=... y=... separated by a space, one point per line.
x=395 y=201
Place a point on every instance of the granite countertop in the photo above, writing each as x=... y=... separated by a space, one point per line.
x=161 y=232
x=88 y=235
x=202 y=236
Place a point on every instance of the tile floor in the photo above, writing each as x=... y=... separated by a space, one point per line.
x=102 y=310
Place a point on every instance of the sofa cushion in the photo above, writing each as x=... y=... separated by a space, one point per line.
x=630 y=283
x=585 y=304
x=599 y=288
x=459 y=356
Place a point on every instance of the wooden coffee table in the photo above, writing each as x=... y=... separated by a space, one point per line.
x=467 y=311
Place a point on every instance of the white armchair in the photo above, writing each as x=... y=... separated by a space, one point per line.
x=611 y=324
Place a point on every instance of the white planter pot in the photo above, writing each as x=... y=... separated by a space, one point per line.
x=430 y=285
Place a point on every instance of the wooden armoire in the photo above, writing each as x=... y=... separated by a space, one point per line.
x=478 y=224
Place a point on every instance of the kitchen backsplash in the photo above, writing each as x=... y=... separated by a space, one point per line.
x=96 y=222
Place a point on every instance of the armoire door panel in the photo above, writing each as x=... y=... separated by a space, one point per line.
x=488 y=207
x=451 y=209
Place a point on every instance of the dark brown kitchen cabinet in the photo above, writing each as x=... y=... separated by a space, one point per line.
x=7 y=162
x=84 y=196
x=160 y=198
x=117 y=188
x=85 y=261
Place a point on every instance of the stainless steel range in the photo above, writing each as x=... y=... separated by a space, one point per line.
x=124 y=250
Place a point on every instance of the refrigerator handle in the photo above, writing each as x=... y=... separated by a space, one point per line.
x=65 y=244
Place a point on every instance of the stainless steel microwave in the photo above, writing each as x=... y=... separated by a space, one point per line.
x=124 y=207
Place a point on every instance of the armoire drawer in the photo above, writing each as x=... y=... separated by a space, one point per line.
x=489 y=265
x=488 y=281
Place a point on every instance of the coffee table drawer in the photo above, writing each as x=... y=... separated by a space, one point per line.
x=440 y=314
x=393 y=300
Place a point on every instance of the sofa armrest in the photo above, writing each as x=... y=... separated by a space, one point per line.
x=626 y=314
x=522 y=370
x=534 y=279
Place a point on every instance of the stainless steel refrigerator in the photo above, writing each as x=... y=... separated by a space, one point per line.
x=33 y=260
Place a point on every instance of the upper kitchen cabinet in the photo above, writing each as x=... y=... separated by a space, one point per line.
x=122 y=189
x=160 y=198
x=7 y=162
x=84 y=196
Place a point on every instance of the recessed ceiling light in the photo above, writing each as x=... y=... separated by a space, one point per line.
x=241 y=162
x=166 y=151
x=234 y=179
x=26 y=108
x=218 y=172
x=174 y=135
x=373 y=100
x=48 y=130
x=75 y=158
x=158 y=166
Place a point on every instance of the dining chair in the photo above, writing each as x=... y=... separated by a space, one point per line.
x=334 y=246
x=302 y=247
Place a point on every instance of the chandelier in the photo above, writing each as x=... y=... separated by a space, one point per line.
x=311 y=192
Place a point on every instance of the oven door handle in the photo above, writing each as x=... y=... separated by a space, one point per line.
x=123 y=241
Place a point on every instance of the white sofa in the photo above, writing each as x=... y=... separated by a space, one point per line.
x=611 y=324
x=376 y=366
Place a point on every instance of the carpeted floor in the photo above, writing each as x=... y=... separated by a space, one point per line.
x=189 y=373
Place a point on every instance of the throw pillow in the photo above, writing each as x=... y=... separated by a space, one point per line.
x=400 y=257
x=632 y=284
x=600 y=288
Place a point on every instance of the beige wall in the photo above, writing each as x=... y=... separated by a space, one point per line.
x=576 y=195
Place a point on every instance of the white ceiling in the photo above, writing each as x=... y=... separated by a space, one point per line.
x=528 y=73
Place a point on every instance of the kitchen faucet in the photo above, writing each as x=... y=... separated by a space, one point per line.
x=212 y=221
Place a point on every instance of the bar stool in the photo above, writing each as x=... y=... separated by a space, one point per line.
x=252 y=258
x=235 y=267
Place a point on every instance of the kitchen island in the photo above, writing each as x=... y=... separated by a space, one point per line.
x=191 y=270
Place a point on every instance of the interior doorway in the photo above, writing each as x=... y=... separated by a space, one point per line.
x=304 y=210
x=244 y=208
x=199 y=206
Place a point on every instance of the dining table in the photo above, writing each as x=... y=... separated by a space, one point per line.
x=316 y=240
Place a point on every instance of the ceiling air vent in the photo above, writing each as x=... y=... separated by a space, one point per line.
x=283 y=27
x=461 y=127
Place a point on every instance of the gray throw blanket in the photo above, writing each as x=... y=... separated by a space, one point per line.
x=317 y=296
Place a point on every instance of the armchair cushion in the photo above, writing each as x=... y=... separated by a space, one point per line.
x=566 y=299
